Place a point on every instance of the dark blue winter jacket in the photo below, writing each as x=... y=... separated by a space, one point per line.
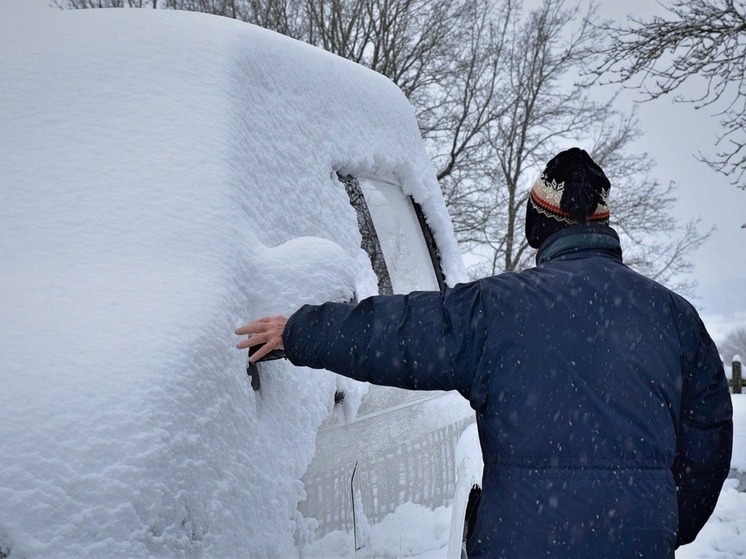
x=603 y=410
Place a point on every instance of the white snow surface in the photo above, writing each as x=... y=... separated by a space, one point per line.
x=167 y=176
x=724 y=535
x=399 y=534
x=738 y=461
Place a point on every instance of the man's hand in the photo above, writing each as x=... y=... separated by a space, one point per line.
x=266 y=330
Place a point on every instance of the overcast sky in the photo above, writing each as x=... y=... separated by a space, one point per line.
x=673 y=134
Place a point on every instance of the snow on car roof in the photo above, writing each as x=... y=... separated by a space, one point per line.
x=161 y=173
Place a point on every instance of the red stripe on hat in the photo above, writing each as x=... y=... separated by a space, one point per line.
x=601 y=215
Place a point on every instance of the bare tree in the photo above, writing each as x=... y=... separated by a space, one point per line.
x=700 y=41
x=541 y=112
x=733 y=344
x=542 y=107
x=456 y=127
x=86 y=4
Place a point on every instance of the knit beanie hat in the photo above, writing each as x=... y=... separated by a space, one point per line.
x=572 y=190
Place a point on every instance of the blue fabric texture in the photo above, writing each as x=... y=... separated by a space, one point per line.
x=603 y=411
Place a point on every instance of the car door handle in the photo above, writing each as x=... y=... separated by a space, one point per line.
x=253 y=370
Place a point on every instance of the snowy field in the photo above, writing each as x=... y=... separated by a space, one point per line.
x=163 y=175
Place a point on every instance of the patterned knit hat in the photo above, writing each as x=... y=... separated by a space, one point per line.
x=572 y=190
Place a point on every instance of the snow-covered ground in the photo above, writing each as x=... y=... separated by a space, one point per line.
x=724 y=535
x=163 y=175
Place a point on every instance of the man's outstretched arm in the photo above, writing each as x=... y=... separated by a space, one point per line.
x=423 y=340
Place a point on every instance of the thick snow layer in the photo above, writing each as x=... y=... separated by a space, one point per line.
x=167 y=176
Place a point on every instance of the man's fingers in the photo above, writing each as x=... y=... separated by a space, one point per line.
x=267 y=331
x=258 y=325
x=251 y=328
x=251 y=341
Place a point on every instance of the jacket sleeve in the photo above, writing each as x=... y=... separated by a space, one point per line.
x=705 y=436
x=425 y=340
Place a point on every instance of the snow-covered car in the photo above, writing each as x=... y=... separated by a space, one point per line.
x=165 y=177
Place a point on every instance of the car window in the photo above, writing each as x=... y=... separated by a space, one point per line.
x=395 y=235
x=402 y=253
x=370 y=242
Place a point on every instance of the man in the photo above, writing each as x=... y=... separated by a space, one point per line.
x=603 y=410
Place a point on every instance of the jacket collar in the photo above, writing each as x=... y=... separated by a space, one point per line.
x=580 y=238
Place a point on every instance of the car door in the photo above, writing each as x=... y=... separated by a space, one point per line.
x=383 y=481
